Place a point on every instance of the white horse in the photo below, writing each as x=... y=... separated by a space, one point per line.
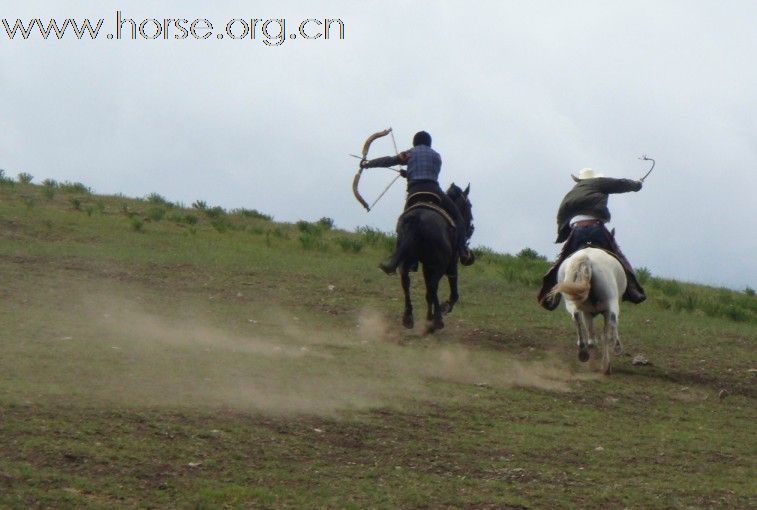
x=592 y=282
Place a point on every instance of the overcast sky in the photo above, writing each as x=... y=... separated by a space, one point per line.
x=517 y=96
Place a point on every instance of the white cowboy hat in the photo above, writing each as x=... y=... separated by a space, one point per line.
x=588 y=173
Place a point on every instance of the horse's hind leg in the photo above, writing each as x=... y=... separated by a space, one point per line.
x=583 y=352
x=607 y=337
x=591 y=338
x=617 y=346
x=453 y=295
x=434 y=311
x=407 y=317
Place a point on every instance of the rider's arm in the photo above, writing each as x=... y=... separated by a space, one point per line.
x=610 y=185
x=386 y=162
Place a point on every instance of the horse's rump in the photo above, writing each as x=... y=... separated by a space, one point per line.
x=589 y=277
x=577 y=282
x=424 y=235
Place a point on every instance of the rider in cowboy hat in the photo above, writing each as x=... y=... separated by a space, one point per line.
x=581 y=220
x=423 y=167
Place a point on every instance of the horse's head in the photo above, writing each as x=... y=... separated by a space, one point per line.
x=460 y=198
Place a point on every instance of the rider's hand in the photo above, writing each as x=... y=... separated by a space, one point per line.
x=403 y=173
x=363 y=163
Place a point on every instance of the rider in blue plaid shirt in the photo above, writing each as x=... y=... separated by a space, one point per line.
x=423 y=167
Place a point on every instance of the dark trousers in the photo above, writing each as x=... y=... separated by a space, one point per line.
x=598 y=236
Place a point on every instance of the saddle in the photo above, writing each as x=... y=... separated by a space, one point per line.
x=606 y=250
x=598 y=247
x=427 y=200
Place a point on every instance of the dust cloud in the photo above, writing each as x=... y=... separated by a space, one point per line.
x=277 y=364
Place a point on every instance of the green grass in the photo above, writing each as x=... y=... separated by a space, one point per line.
x=217 y=360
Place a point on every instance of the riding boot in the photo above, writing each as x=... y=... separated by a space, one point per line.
x=549 y=280
x=466 y=257
x=389 y=266
x=634 y=292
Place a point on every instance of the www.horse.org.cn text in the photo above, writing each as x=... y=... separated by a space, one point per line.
x=269 y=31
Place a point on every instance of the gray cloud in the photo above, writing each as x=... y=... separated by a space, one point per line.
x=517 y=96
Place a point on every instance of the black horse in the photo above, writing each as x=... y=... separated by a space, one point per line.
x=427 y=236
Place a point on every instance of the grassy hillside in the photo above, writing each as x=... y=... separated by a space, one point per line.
x=155 y=355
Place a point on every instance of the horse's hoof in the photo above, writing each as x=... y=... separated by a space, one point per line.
x=446 y=308
x=432 y=326
x=408 y=322
x=583 y=355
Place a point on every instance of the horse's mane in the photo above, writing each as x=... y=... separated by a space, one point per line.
x=454 y=191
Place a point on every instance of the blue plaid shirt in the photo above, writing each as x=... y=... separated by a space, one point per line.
x=423 y=163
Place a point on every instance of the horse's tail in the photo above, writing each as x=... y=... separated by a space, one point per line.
x=577 y=283
x=408 y=231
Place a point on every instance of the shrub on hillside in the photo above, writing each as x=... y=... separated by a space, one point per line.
x=309 y=228
x=214 y=212
x=25 y=178
x=200 y=204
x=188 y=219
x=528 y=253
x=643 y=275
x=74 y=187
x=157 y=199
x=221 y=223
x=312 y=241
x=278 y=233
x=374 y=237
x=136 y=224
x=690 y=298
x=667 y=287
x=156 y=213
x=521 y=270
x=350 y=244
x=48 y=192
x=484 y=253
x=5 y=180
x=252 y=213
x=326 y=223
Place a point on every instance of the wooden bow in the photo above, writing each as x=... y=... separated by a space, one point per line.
x=364 y=157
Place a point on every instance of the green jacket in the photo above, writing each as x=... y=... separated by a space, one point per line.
x=589 y=196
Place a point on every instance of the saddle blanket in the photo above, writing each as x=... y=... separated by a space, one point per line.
x=427 y=200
